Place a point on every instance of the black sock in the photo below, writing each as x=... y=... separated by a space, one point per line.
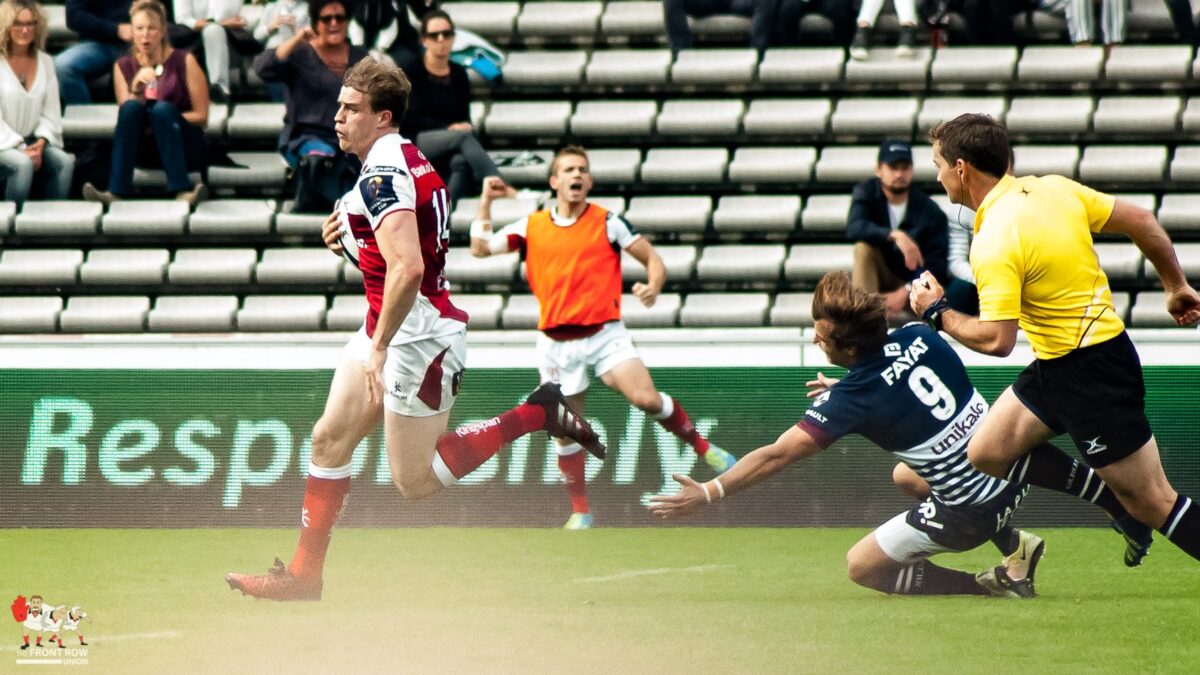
x=925 y=578
x=1048 y=467
x=1183 y=526
x=1007 y=540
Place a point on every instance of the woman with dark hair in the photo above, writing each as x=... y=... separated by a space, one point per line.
x=163 y=95
x=310 y=66
x=439 y=110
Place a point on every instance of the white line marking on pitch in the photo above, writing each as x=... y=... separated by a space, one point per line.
x=633 y=574
x=110 y=638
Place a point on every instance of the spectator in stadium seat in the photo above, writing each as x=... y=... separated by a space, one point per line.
x=961 y=292
x=384 y=25
x=906 y=12
x=104 y=31
x=221 y=28
x=787 y=24
x=1080 y=16
x=1184 y=22
x=279 y=22
x=676 y=12
x=30 y=118
x=310 y=66
x=897 y=229
x=163 y=99
x=439 y=112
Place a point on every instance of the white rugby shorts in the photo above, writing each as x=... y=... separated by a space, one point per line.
x=420 y=378
x=566 y=362
x=904 y=543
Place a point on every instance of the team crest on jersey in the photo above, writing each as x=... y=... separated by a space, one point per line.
x=891 y=349
x=377 y=193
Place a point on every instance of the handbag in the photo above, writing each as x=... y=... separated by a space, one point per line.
x=321 y=181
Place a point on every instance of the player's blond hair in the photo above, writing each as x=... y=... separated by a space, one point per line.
x=858 y=316
x=9 y=9
x=385 y=86
x=574 y=150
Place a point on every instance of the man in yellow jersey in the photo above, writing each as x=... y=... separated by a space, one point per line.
x=1036 y=269
x=573 y=261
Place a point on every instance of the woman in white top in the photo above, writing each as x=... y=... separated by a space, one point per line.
x=30 y=120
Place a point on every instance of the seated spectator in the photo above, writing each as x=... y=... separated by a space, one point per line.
x=1081 y=19
x=787 y=23
x=310 y=66
x=221 y=28
x=906 y=12
x=961 y=293
x=679 y=35
x=1184 y=22
x=279 y=22
x=30 y=118
x=163 y=101
x=104 y=32
x=897 y=229
x=384 y=25
x=439 y=110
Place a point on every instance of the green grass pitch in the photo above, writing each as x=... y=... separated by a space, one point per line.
x=671 y=600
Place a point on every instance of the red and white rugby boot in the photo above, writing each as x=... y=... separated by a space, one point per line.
x=277 y=584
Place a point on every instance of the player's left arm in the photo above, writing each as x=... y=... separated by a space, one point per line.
x=1144 y=229
x=401 y=249
x=656 y=272
x=997 y=338
x=793 y=445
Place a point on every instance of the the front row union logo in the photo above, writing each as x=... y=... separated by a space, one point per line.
x=50 y=634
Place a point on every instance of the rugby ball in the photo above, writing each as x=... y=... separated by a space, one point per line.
x=348 y=241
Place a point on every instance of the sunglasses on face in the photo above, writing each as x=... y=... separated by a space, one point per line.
x=439 y=35
x=332 y=18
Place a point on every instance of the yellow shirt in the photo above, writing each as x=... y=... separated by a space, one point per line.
x=1034 y=261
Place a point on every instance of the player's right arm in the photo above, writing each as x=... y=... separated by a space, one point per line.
x=484 y=240
x=1144 y=229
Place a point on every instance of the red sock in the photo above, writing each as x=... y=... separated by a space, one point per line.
x=572 y=468
x=678 y=423
x=38 y=642
x=467 y=447
x=26 y=640
x=323 y=501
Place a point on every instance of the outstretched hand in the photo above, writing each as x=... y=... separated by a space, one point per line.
x=820 y=385
x=688 y=500
x=1184 y=305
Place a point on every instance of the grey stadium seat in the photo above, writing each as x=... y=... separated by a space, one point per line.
x=56 y=22
x=236 y=217
x=524 y=167
x=884 y=67
x=1061 y=64
x=463 y=268
x=125 y=266
x=504 y=211
x=105 y=314
x=1137 y=114
x=773 y=165
x=578 y=19
x=303 y=224
x=155 y=180
x=757 y=213
x=738 y=264
x=943 y=109
x=924 y=170
x=1145 y=63
x=629 y=67
x=807 y=263
x=483 y=310
x=1191 y=115
x=680 y=262
x=630 y=119
x=58 y=218
x=802 y=66
x=19 y=314
x=1188 y=254
x=716 y=67
x=544 y=69
x=1184 y=167
x=489 y=19
x=264 y=170
x=825 y=213
x=256 y=120
x=281 y=313
x=700 y=117
x=724 y=309
x=1050 y=114
x=640 y=18
x=8 y=211
x=521 y=311
x=726 y=27
x=847 y=164
x=1150 y=311
x=663 y=314
x=528 y=119
x=1122 y=262
x=613 y=204
x=877 y=116
x=218 y=120
x=90 y=121
x=157 y=217
x=1041 y=160
x=617 y=166
x=348 y=312
x=1180 y=212
x=685 y=165
x=684 y=215
x=974 y=64
x=193 y=313
x=1123 y=163
x=212 y=266
x=298 y=266
x=792 y=309
x=23 y=266
x=788 y=116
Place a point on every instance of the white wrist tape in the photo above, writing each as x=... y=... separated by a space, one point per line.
x=707 y=496
x=481 y=229
x=720 y=488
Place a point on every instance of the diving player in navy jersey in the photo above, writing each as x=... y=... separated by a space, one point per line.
x=908 y=393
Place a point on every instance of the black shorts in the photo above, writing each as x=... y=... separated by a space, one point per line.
x=1095 y=394
x=962 y=528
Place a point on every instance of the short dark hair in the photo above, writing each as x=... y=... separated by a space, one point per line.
x=434 y=14
x=858 y=316
x=315 y=7
x=385 y=86
x=576 y=150
x=979 y=140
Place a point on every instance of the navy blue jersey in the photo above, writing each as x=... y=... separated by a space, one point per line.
x=912 y=398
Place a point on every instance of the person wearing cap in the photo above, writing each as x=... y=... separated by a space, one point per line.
x=897 y=230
